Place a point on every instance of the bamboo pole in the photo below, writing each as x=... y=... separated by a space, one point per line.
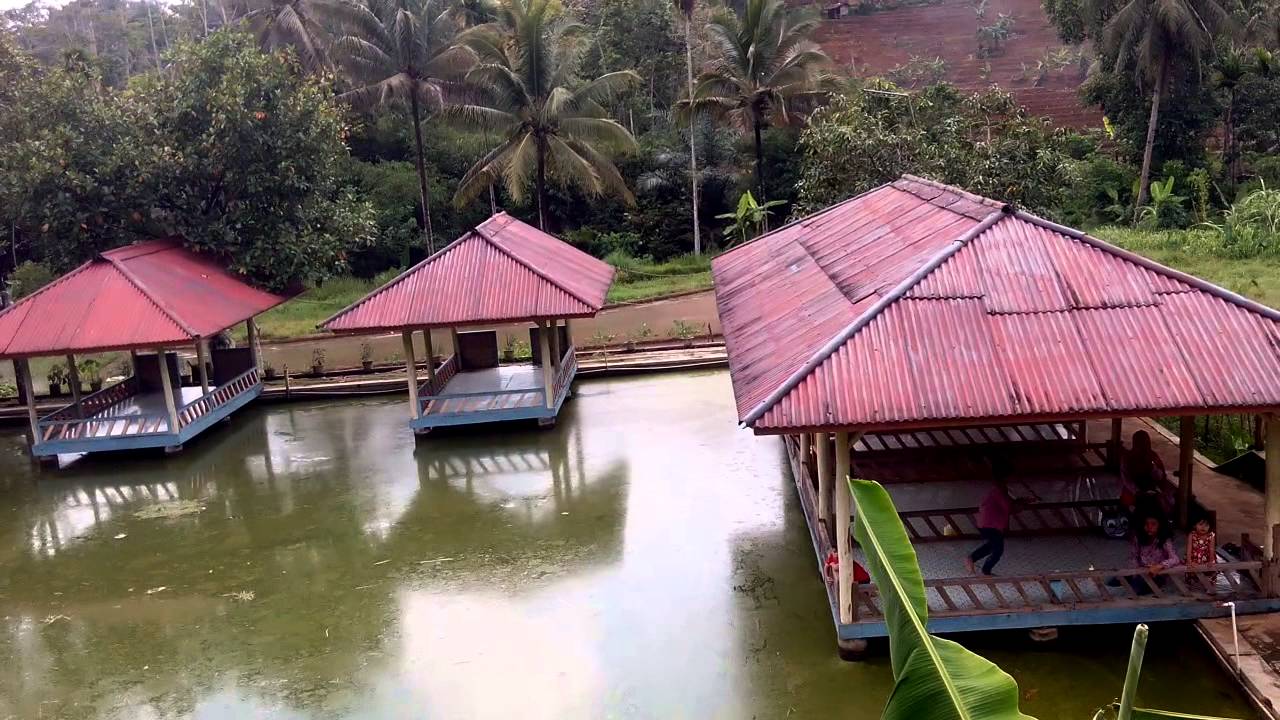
x=823 y=441
x=166 y=386
x=554 y=338
x=202 y=357
x=22 y=371
x=431 y=354
x=411 y=367
x=548 y=373
x=255 y=342
x=73 y=379
x=1131 y=675
x=844 y=512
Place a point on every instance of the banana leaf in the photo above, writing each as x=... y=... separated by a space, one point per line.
x=934 y=679
x=1112 y=711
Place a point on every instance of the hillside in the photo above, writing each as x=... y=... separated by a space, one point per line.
x=1041 y=71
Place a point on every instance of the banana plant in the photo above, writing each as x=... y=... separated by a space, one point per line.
x=937 y=679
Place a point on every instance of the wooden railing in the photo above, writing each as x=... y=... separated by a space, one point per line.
x=435 y=384
x=215 y=399
x=568 y=368
x=1083 y=589
x=1045 y=518
x=110 y=426
x=97 y=402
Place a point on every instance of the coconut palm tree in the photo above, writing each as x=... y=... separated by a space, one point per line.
x=765 y=70
x=1230 y=69
x=552 y=126
x=401 y=53
x=291 y=23
x=1156 y=39
x=686 y=10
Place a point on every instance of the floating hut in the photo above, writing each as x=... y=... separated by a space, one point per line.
x=145 y=299
x=911 y=332
x=502 y=273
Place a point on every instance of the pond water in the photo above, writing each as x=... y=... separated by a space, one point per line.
x=644 y=559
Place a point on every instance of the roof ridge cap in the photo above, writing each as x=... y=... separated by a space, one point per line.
x=981 y=199
x=1149 y=264
x=397 y=279
x=898 y=291
x=147 y=293
x=525 y=263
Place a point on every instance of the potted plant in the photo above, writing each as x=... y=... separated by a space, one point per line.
x=317 y=362
x=57 y=377
x=366 y=357
x=91 y=370
x=638 y=335
x=509 y=349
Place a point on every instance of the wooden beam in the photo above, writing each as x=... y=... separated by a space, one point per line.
x=202 y=358
x=411 y=367
x=825 y=471
x=844 y=513
x=1186 y=466
x=166 y=387
x=1272 y=506
x=22 y=371
x=431 y=354
x=73 y=379
x=548 y=370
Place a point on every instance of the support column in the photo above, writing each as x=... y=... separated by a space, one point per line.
x=457 y=352
x=255 y=342
x=825 y=469
x=568 y=333
x=844 y=513
x=1186 y=467
x=133 y=363
x=548 y=372
x=1117 y=442
x=202 y=358
x=166 y=387
x=431 y=354
x=1272 y=487
x=22 y=371
x=805 y=441
x=411 y=367
x=73 y=379
x=554 y=333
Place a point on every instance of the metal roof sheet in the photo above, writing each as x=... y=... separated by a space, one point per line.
x=150 y=294
x=502 y=271
x=1006 y=316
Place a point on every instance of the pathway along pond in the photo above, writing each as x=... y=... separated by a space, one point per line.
x=644 y=559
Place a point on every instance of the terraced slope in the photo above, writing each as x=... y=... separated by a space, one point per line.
x=877 y=42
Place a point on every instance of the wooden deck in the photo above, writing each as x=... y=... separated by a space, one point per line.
x=501 y=394
x=1058 y=568
x=121 y=418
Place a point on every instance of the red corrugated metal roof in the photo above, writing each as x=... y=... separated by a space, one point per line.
x=146 y=295
x=502 y=271
x=983 y=315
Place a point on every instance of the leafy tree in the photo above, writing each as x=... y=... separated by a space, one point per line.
x=983 y=142
x=1156 y=41
x=553 y=127
x=401 y=53
x=686 y=11
x=247 y=152
x=765 y=71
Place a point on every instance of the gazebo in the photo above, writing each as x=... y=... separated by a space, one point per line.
x=503 y=272
x=910 y=333
x=146 y=299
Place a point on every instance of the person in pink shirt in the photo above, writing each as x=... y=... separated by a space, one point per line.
x=993 y=520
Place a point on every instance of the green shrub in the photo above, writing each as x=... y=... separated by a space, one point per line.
x=8 y=390
x=29 y=277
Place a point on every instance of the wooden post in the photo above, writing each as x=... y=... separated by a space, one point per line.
x=1270 y=581
x=1272 y=487
x=411 y=366
x=133 y=362
x=825 y=470
x=166 y=386
x=805 y=439
x=568 y=333
x=431 y=354
x=1117 y=442
x=255 y=342
x=457 y=352
x=1186 y=466
x=288 y=385
x=844 y=512
x=73 y=379
x=548 y=371
x=22 y=371
x=554 y=332
x=202 y=357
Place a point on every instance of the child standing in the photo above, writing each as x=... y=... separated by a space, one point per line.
x=1202 y=544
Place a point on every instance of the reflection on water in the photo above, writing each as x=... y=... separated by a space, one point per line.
x=645 y=558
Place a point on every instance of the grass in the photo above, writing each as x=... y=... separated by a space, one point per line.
x=1195 y=252
x=637 y=280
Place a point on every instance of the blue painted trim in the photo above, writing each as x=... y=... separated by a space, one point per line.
x=494 y=416
x=1101 y=615
x=156 y=440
